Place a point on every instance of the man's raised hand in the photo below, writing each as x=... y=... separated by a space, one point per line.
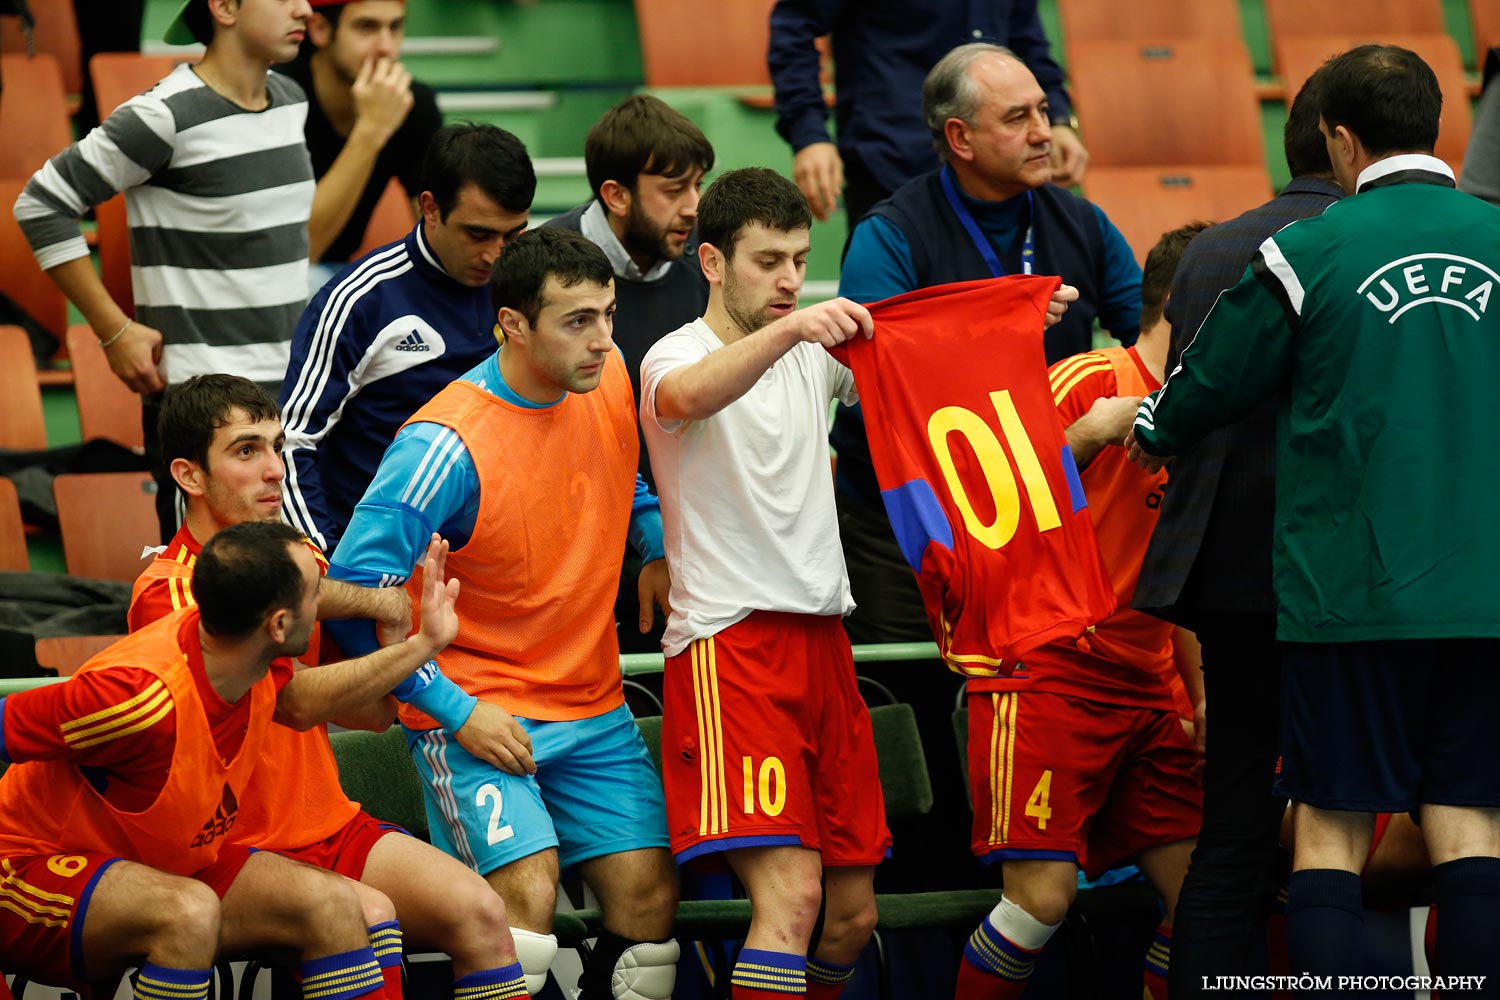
x=439 y=617
x=382 y=97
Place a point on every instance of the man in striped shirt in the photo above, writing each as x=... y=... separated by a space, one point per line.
x=218 y=187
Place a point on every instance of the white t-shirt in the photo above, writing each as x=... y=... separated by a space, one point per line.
x=746 y=495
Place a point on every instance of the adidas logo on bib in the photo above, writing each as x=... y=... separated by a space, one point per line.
x=413 y=342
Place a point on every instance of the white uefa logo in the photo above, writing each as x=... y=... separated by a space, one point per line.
x=1442 y=278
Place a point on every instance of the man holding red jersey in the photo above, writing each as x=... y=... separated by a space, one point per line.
x=1079 y=759
x=734 y=407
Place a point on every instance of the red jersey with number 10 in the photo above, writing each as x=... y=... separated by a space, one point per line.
x=975 y=472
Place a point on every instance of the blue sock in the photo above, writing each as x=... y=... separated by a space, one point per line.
x=1468 y=904
x=157 y=982
x=1325 y=920
x=770 y=972
x=385 y=942
x=505 y=983
x=342 y=977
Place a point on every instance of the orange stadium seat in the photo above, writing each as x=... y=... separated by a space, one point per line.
x=20 y=278
x=35 y=112
x=56 y=34
x=1287 y=18
x=682 y=47
x=106 y=406
x=13 y=557
x=1144 y=202
x=1087 y=20
x=106 y=519
x=119 y=76
x=1300 y=57
x=21 y=425
x=1190 y=101
x=391 y=220
x=1486 y=16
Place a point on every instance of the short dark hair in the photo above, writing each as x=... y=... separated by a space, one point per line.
x=1161 y=265
x=528 y=260
x=1301 y=139
x=199 y=21
x=742 y=197
x=643 y=135
x=1386 y=95
x=488 y=157
x=332 y=12
x=245 y=572
x=194 y=410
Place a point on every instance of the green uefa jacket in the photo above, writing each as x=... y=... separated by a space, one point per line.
x=1373 y=323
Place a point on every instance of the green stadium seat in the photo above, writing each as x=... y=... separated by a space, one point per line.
x=376 y=770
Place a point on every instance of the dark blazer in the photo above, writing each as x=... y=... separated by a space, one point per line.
x=1211 y=550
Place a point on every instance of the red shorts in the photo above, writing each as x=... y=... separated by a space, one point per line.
x=1061 y=778
x=347 y=849
x=44 y=900
x=766 y=741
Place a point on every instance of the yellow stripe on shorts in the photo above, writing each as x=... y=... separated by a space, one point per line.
x=1002 y=763
x=713 y=801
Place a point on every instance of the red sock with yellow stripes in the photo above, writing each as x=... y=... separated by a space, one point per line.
x=1158 y=958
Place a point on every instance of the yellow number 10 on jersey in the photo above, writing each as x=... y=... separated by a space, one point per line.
x=996 y=467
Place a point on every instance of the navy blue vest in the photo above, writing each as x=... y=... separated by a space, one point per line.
x=1067 y=243
x=1066 y=234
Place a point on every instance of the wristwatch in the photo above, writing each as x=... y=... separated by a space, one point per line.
x=1071 y=122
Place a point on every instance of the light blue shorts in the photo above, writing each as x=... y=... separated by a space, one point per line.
x=595 y=792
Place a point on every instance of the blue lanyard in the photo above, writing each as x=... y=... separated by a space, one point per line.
x=982 y=242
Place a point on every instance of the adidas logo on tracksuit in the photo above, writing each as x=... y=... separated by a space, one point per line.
x=413 y=342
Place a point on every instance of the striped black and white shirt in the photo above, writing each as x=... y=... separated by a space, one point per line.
x=217 y=198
